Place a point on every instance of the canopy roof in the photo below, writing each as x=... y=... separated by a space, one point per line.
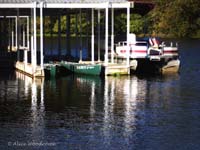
x=65 y=3
x=62 y=1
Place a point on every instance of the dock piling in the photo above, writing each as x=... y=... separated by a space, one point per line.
x=112 y=36
x=41 y=36
x=106 y=36
x=99 y=34
x=128 y=32
x=34 y=38
x=92 y=38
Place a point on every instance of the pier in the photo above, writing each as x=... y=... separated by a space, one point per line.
x=22 y=16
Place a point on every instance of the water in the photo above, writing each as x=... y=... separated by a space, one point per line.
x=85 y=112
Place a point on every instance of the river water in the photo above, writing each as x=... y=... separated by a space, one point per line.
x=83 y=112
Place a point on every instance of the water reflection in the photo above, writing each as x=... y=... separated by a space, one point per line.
x=118 y=107
x=108 y=110
x=130 y=104
x=125 y=100
x=120 y=94
x=37 y=110
x=92 y=101
x=9 y=90
x=161 y=90
x=84 y=112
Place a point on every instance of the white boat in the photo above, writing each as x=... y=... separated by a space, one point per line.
x=151 y=50
x=172 y=66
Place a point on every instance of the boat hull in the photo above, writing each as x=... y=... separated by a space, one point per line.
x=89 y=69
x=171 y=67
x=164 y=66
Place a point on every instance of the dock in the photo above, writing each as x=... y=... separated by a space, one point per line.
x=22 y=35
x=53 y=69
x=116 y=69
x=29 y=69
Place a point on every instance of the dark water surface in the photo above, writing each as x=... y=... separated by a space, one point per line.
x=84 y=112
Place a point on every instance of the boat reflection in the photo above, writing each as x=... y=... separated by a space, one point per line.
x=160 y=90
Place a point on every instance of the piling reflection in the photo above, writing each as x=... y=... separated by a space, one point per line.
x=106 y=109
x=130 y=104
x=92 y=101
x=160 y=90
x=36 y=87
x=9 y=89
x=120 y=94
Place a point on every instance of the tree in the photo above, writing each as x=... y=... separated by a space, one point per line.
x=137 y=23
x=177 y=18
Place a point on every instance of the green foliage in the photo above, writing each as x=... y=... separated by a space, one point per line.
x=137 y=23
x=62 y=24
x=178 y=18
x=120 y=24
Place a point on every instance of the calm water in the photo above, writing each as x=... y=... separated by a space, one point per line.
x=82 y=112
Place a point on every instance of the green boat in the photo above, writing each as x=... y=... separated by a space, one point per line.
x=89 y=69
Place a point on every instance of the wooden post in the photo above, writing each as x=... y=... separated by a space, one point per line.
x=80 y=21
x=59 y=34
x=32 y=51
x=77 y=33
x=128 y=32
x=99 y=35
x=34 y=37
x=25 y=50
x=112 y=36
x=106 y=37
x=41 y=36
x=51 y=32
x=31 y=44
x=12 y=40
x=9 y=34
x=87 y=31
x=23 y=35
x=68 y=20
x=28 y=37
x=17 y=34
x=92 y=38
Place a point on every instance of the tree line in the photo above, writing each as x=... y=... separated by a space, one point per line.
x=177 y=18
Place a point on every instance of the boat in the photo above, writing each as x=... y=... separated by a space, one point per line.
x=151 y=50
x=81 y=68
x=171 y=66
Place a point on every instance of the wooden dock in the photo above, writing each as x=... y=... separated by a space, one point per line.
x=29 y=69
x=116 y=69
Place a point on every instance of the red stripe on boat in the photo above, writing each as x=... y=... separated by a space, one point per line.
x=170 y=51
x=139 y=51
x=134 y=51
